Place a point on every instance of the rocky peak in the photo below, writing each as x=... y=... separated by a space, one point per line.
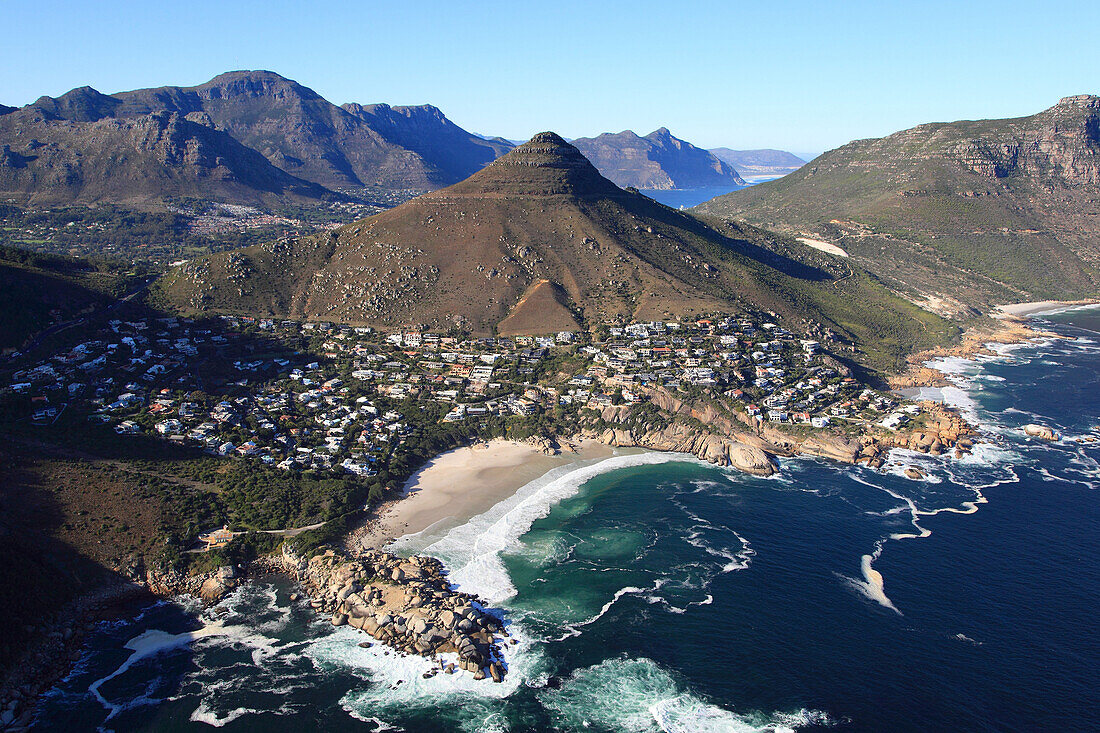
x=1080 y=101
x=427 y=111
x=663 y=137
x=255 y=84
x=545 y=149
x=82 y=104
x=544 y=165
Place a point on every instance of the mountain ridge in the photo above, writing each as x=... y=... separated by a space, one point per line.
x=316 y=146
x=657 y=161
x=954 y=215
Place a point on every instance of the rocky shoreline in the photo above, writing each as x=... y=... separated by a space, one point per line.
x=417 y=612
x=975 y=342
x=407 y=604
x=61 y=637
x=752 y=447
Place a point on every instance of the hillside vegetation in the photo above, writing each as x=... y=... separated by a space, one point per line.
x=954 y=215
x=469 y=255
x=40 y=290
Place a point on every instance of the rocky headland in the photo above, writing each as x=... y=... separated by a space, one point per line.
x=407 y=604
x=711 y=431
x=1009 y=329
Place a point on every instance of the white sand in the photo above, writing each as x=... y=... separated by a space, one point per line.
x=458 y=485
x=827 y=247
x=1040 y=306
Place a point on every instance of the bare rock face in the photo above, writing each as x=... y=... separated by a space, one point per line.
x=833 y=447
x=1040 y=431
x=215 y=587
x=406 y=604
x=750 y=459
x=710 y=447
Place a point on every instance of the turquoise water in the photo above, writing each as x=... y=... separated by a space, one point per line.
x=652 y=593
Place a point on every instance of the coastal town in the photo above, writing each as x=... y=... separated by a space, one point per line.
x=324 y=397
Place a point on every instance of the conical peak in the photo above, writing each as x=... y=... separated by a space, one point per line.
x=544 y=165
x=547 y=138
x=546 y=149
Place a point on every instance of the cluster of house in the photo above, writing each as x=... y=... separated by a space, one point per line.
x=769 y=372
x=227 y=387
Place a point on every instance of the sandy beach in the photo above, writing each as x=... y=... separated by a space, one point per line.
x=463 y=483
x=1040 y=306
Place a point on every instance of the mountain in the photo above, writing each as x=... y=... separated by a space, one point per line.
x=764 y=162
x=425 y=130
x=539 y=241
x=264 y=136
x=67 y=150
x=306 y=135
x=954 y=215
x=657 y=161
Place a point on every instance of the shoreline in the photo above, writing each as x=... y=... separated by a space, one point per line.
x=460 y=484
x=1040 y=307
x=1010 y=328
x=457 y=485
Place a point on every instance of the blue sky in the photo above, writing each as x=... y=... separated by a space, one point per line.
x=804 y=76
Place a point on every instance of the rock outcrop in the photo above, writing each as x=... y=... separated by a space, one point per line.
x=833 y=447
x=714 y=433
x=407 y=604
x=678 y=438
x=1040 y=431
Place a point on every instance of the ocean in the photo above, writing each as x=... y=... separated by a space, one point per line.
x=654 y=593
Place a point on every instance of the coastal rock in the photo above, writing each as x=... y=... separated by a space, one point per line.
x=215 y=587
x=833 y=447
x=1040 y=431
x=750 y=459
x=407 y=604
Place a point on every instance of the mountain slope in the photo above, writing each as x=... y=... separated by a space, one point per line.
x=39 y=290
x=957 y=214
x=87 y=157
x=266 y=135
x=452 y=152
x=656 y=161
x=764 y=162
x=539 y=239
x=306 y=135
x=293 y=127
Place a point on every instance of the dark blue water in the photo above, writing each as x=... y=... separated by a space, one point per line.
x=650 y=593
x=685 y=198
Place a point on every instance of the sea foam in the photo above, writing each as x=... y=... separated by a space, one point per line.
x=637 y=694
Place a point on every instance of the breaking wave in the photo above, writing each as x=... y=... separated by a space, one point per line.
x=638 y=695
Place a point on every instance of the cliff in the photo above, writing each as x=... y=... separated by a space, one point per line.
x=657 y=161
